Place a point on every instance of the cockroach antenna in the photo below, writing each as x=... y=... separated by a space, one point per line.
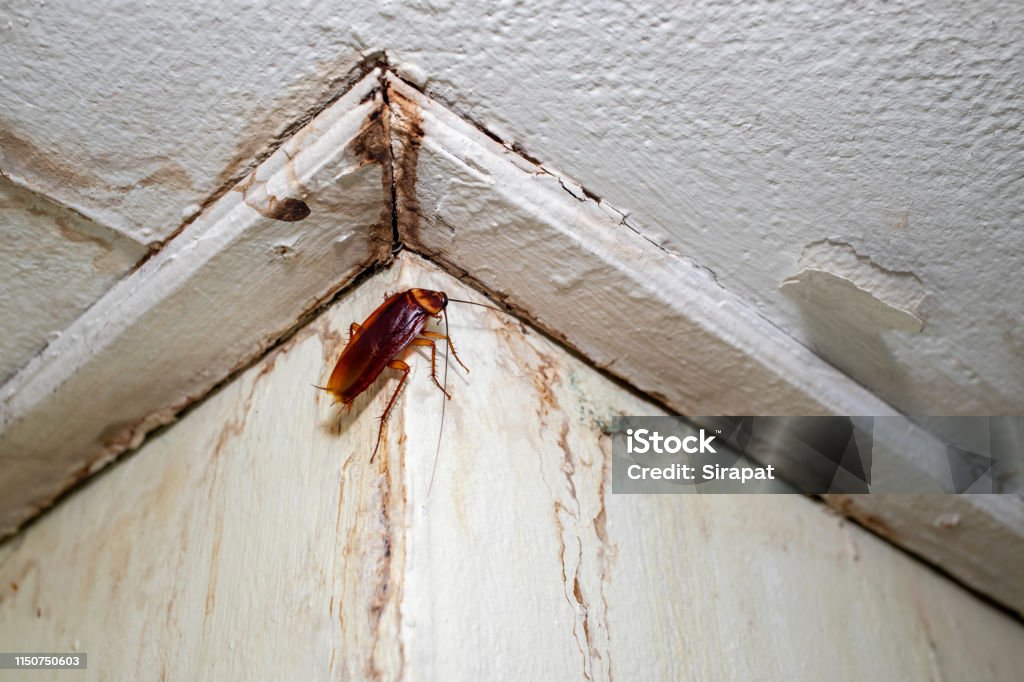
x=444 y=403
x=482 y=305
x=444 y=406
x=396 y=325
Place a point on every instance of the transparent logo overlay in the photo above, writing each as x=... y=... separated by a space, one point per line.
x=818 y=455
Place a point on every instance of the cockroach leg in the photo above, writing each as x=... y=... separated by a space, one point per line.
x=353 y=331
x=451 y=346
x=404 y=369
x=433 y=362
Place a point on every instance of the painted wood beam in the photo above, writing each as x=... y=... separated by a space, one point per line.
x=291 y=234
x=251 y=267
x=574 y=265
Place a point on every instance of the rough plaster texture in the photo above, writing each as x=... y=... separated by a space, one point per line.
x=736 y=133
x=54 y=263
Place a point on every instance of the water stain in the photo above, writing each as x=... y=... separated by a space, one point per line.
x=406 y=128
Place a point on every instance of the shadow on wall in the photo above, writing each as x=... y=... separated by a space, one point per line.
x=847 y=303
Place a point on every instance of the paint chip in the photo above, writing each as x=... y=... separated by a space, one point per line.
x=834 y=280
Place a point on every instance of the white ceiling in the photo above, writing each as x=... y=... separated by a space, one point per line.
x=870 y=152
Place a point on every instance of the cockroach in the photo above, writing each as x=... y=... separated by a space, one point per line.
x=398 y=324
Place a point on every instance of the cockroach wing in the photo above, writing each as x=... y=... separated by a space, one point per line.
x=386 y=333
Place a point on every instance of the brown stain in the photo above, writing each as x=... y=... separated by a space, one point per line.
x=369 y=506
x=406 y=128
x=28 y=573
x=383 y=589
x=332 y=342
x=24 y=157
x=122 y=435
x=607 y=551
x=268 y=129
x=847 y=506
x=289 y=209
x=601 y=518
x=72 y=235
x=578 y=593
x=73 y=226
x=236 y=426
x=171 y=174
x=544 y=378
x=371 y=145
x=568 y=463
x=107 y=260
x=587 y=648
x=211 y=584
x=601 y=521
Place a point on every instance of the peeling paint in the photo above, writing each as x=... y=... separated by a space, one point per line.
x=278 y=123
x=286 y=209
x=835 y=279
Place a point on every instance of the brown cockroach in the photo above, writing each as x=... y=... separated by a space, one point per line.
x=395 y=326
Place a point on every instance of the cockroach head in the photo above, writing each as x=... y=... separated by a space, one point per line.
x=431 y=301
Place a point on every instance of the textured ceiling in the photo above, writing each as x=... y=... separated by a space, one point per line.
x=853 y=171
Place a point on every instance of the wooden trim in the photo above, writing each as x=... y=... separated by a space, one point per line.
x=572 y=263
x=520 y=230
x=216 y=297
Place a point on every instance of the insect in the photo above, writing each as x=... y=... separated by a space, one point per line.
x=398 y=324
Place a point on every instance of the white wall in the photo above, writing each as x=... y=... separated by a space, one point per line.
x=255 y=540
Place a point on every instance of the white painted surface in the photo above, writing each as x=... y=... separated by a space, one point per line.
x=738 y=133
x=54 y=265
x=216 y=297
x=670 y=329
x=255 y=540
